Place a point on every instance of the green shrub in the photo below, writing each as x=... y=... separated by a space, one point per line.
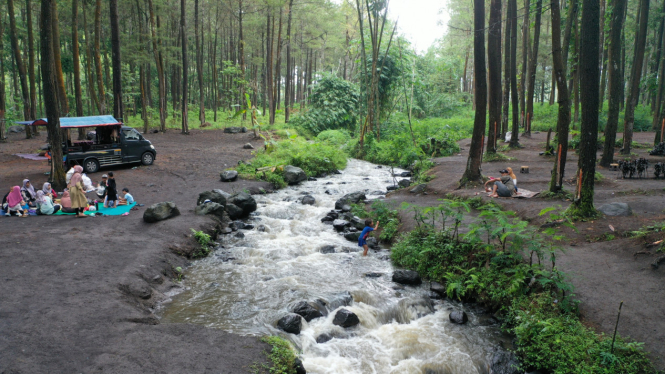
x=505 y=264
x=282 y=356
x=336 y=138
x=314 y=158
x=333 y=105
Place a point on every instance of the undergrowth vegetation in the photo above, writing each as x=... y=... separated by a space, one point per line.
x=510 y=267
x=315 y=159
x=282 y=357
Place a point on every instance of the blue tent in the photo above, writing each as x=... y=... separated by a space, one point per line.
x=75 y=122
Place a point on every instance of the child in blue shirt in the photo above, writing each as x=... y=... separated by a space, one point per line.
x=362 y=239
x=126 y=198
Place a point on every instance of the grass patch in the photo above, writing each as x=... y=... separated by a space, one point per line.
x=561 y=194
x=315 y=158
x=282 y=356
x=510 y=267
x=204 y=241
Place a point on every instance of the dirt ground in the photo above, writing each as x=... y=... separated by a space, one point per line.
x=604 y=273
x=76 y=294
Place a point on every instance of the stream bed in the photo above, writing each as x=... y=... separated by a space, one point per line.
x=255 y=280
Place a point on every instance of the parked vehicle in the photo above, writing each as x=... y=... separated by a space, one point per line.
x=108 y=143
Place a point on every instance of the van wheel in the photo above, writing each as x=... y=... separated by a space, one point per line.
x=91 y=166
x=147 y=158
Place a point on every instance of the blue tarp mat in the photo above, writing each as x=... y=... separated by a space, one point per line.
x=73 y=122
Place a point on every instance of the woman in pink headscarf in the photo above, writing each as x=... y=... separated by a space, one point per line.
x=77 y=192
x=15 y=202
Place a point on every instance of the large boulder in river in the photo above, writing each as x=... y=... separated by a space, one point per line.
x=306 y=310
x=409 y=277
x=438 y=288
x=308 y=200
x=234 y=211
x=299 y=367
x=294 y=175
x=404 y=183
x=243 y=201
x=340 y=224
x=458 y=316
x=228 y=175
x=352 y=236
x=290 y=323
x=327 y=249
x=352 y=198
x=215 y=196
x=616 y=209
x=345 y=318
x=214 y=209
x=160 y=211
x=505 y=363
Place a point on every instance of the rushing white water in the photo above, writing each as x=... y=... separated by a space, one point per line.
x=254 y=281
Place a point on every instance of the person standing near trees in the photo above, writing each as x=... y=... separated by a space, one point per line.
x=76 y=192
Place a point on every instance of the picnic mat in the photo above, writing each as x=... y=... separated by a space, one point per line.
x=525 y=194
x=31 y=156
x=107 y=211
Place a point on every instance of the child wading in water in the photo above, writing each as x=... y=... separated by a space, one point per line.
x=362 y=239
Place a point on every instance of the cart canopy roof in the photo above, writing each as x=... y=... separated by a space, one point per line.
x=75 y=122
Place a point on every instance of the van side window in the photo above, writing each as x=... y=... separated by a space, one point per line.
x=130 y=134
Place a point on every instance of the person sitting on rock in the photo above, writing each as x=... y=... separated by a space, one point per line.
x=362 y=239
x=125 y=198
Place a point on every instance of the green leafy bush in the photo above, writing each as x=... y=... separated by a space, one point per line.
x=333 y=137
x=282 y=356
x=382 y=212
x=333 y=106
x=314 y=158
x=507 y=265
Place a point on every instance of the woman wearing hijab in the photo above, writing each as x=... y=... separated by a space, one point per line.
x=66 y=203
x=45 y=205
x=15 y=202
x=76 y=192
x=49 y=191
x=28 y=193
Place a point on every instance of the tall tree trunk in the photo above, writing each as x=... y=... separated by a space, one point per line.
x=241 y=57
x=514 y=138
x=185 y=81
x=472 y=172
x=31 y=65
x=3 y=103
x=533 y=64
x=660 y=90
x=657 y=62
x=506 y=70
x=98 y=58
x=571 y=19
x=289 y=66
x=62 y=101
x=614 y=81
x=199 y=62
x=20 y=66
x=51 y=96
x=589 y=84
x=269 y=65
x=494 y=67
x=277 y=75
x=159 y=64
x=633 y=93
x=77 y=62
x=118 y=110
x=90 y=72
x=563 y=119
x=603 y=54
x=526 y=53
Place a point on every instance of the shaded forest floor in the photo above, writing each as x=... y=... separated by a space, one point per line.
x=604 y=266
x=77 y=295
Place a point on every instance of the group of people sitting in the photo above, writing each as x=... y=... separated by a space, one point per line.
x=504 y=186
x=19 y=201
